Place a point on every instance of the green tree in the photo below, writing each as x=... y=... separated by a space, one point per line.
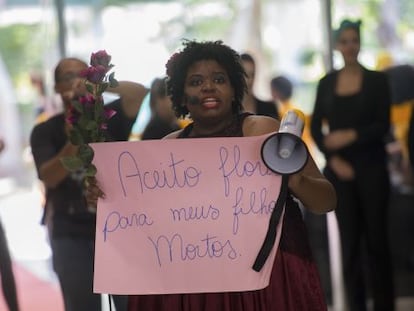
x=21 y=47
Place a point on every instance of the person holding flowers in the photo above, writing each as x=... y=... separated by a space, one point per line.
x=62 y=159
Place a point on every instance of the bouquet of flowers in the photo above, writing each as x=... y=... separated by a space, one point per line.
x=88 y=117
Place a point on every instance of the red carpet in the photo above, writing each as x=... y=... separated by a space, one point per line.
x=33 y=293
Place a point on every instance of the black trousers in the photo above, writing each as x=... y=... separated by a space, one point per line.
x=362 y=214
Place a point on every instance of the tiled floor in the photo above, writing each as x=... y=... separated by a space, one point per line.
x=401 y=221
x=20 y=213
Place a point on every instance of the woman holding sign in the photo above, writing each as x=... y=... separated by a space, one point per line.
x=207 y=82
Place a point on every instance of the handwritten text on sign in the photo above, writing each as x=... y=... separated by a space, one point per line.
x=182 y=215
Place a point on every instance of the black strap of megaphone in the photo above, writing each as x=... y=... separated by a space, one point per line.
x=110 y=302
x=270 y=238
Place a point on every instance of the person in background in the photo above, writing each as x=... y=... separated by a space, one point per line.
x=206 y=81
x=70 y=223
x=8 y=282
x=163 y=120
x=350 y=122
x=250 y=102
x=401 y=77
x=45 y=106
x=410 y=142
x=282 y=92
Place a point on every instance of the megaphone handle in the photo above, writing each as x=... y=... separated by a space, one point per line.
x=270 y=238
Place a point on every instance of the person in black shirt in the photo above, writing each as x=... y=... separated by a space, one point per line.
x=411 y=142
x=163 y=120
x=71 y=224
x=250 y=102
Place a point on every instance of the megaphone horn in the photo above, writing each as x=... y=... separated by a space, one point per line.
x=285 y=152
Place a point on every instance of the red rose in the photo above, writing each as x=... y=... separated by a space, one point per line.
x=94 y=74
x=87 y=100
x=101 y=58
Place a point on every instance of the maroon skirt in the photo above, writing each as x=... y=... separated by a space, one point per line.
x=294 y=282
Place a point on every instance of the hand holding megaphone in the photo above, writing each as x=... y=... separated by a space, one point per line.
x=285 y=152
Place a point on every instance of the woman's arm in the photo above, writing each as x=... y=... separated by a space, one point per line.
x=309 y=185
x=52 y=172
x=132 y=95
x=318 y=116
x=312 y=188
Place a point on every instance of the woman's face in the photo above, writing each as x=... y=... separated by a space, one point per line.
x=349 y=45
x=250 y=70
x=208 y=92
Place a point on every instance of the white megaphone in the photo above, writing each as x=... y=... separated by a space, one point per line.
x=285 y=152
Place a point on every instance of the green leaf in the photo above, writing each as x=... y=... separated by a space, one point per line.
x=98 y=109
x=76 y=137
x=90 y=170
x=112 y=81
x=86 y=153
x=72 y=163
x=89 y=87
x=91 y=125
x=77 y=105
x=88 y=114
x=83 y=121
x=102 y=87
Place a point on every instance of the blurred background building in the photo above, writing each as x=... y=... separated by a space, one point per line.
x=290 y=37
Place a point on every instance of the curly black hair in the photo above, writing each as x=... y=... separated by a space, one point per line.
x=193 y=51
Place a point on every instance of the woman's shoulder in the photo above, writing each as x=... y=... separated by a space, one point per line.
x=374 y=73
x=329 y=75
x=327 y=81
x=255 y=125
x=375 y=78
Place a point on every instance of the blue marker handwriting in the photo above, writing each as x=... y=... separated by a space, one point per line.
x=173 y=174
x=258 y=204
x=231 y=165
x=174 y=248
x=195 y=213
x=116 y=221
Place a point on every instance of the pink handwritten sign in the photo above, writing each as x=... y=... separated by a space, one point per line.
x=183 y=215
